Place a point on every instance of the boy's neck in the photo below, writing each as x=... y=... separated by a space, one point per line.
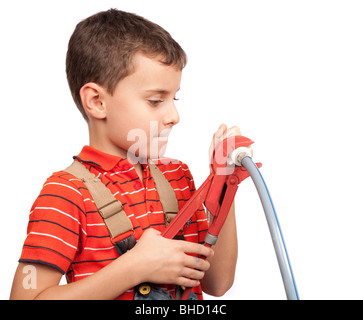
x=96 y=141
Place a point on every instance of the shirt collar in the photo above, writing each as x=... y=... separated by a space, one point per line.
x=98 y=158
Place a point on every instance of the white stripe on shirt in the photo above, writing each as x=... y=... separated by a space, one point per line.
x=61 y=212
x=52 y=236
x=64 y=185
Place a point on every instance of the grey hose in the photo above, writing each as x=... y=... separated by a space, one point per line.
x=275 y=230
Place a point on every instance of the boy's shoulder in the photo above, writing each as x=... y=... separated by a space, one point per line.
x=61 y=186
x=64 y=178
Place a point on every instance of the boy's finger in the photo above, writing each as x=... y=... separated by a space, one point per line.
x=193 y=273
x=217 y=138
x=186 y=282
x=221 y=131
x=198 y=249
x=233 y=131
x=220 y=134
x=197 y=263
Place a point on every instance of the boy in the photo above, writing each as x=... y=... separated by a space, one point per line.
x=123 y=72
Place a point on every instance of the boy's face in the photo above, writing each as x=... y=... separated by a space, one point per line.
x=141 y=110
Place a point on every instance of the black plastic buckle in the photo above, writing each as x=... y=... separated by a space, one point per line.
x=124 y=245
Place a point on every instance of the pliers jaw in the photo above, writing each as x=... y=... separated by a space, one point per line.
x=222 y=164
x=217 y=191
x=223 y=187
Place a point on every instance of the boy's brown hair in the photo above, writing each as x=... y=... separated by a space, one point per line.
x=102 y=46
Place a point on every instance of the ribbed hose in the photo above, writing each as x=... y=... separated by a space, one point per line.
x=275 y=230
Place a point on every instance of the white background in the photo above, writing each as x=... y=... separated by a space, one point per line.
x=288 y=73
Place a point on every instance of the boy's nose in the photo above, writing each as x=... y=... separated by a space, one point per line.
x=172 y=117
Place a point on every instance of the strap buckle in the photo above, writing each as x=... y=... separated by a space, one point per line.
x=124 y=245
x=110 y=209
x=169 y=216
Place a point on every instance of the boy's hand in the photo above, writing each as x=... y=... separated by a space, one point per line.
x=222 y=133
x=168 y=261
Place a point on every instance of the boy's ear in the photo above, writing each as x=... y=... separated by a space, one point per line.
x=92 y=99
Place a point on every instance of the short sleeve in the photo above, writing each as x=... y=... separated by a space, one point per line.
x=56 y=225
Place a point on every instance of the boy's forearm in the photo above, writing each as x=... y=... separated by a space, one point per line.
x=219 y=278
x=107 y=283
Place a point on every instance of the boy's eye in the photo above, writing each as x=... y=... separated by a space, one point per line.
x=155 y=102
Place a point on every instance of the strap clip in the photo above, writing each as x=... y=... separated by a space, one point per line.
x=124 y=245
x=110 y=209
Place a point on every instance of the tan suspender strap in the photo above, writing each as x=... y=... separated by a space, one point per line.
x=166 y=193
x=111 y=210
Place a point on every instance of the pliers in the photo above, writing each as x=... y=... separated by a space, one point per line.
x=216 y=193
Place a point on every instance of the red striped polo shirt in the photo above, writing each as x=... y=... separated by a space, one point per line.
x=66 y=231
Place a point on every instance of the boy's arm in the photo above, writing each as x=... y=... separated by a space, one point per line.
x=154 y=259
x=45 y=285
x=220 y=276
